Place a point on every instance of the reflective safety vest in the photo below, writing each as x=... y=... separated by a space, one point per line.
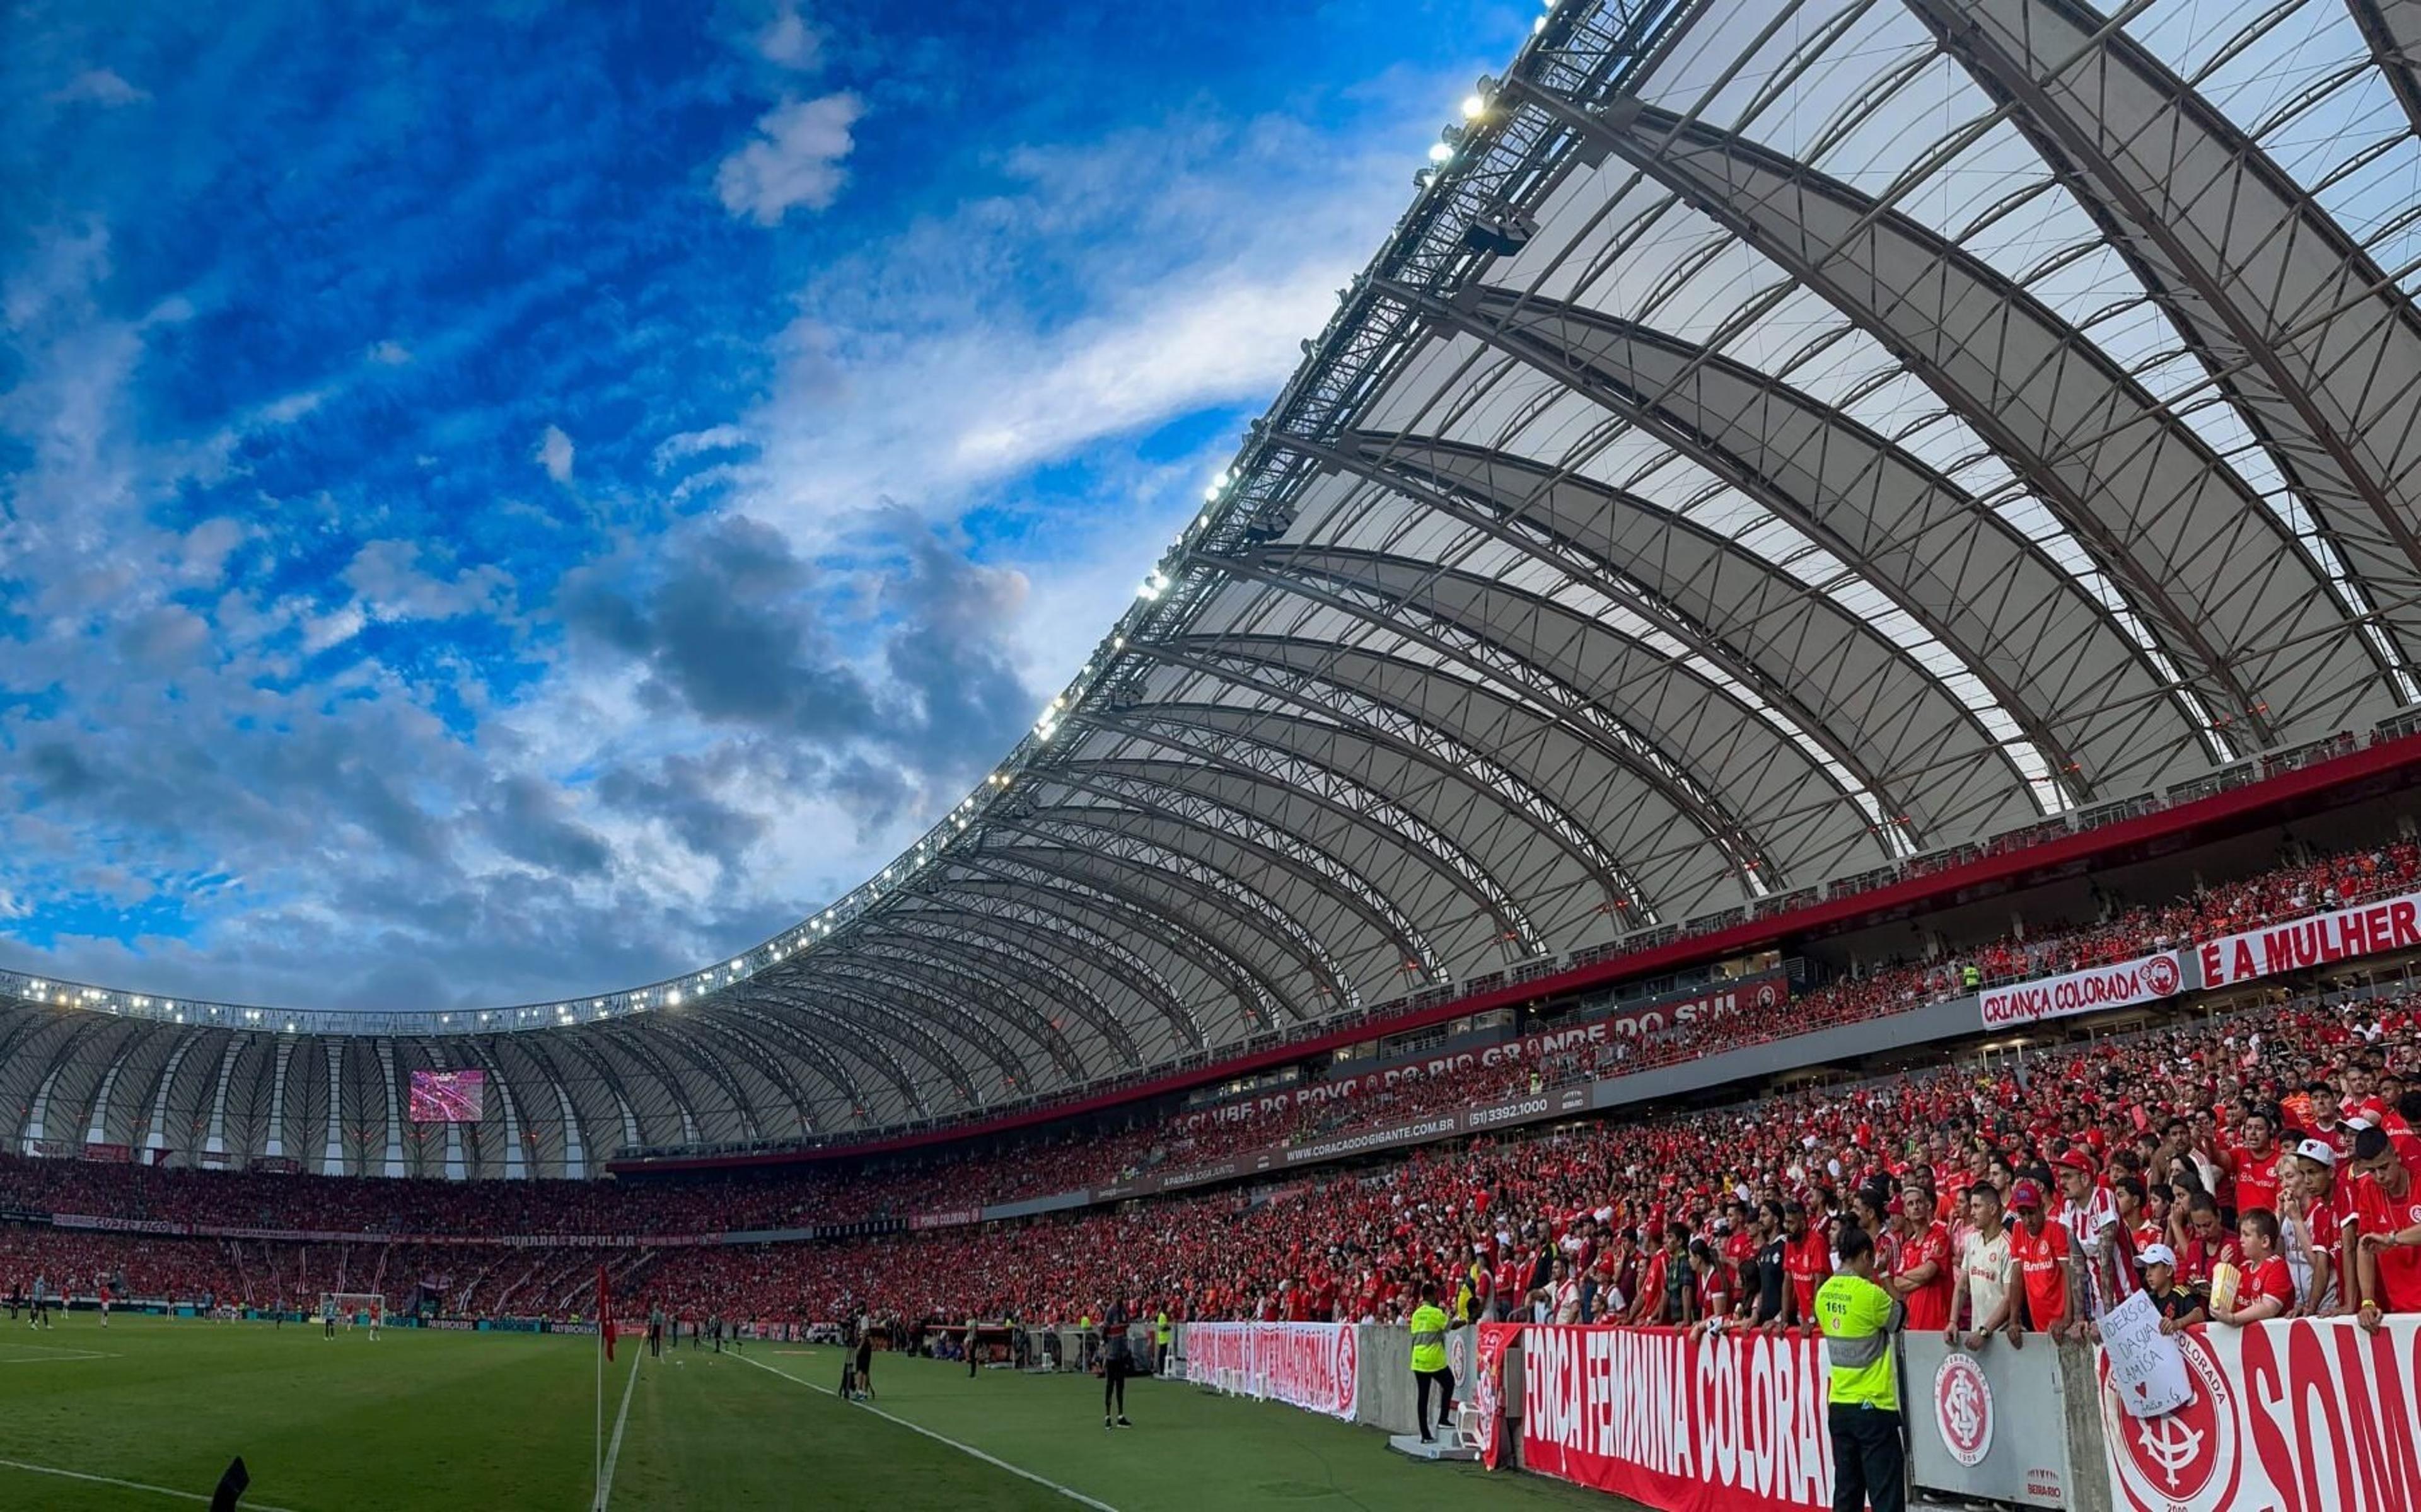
x=1167 y=1333
x=1428 y=1337
x=1857 y=1317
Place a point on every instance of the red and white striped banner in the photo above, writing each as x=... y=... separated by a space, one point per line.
x=1310 y=1365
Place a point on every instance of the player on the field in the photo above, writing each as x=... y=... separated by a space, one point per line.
x=378 y=1305
x=41 y=1317
x=105 y=1303
x=971 y=1349
x=328 y=1319
x=656 y=1331
x=1117 y=1362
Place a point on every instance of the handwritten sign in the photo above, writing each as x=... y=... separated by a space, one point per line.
x=2147 y=1370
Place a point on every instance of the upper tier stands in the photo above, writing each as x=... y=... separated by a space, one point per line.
x=1344 y=1246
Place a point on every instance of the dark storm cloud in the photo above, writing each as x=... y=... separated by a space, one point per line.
x=731 y=633
x=683 y=794
x=734 y=628
x=531 y=823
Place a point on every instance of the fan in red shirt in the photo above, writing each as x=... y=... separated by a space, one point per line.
x=2039 y=1248
x=1922 y=1278
x=2387 y=1205
x=1806 y=1260
x=2207 y=1245
x=1739 y=1247
x=2333 y=1220
x=2268 y=1290
x=2254 y=1162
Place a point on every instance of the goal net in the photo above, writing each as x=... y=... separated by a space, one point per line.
x=350 y=1306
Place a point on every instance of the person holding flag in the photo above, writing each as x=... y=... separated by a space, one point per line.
x=604 y=1355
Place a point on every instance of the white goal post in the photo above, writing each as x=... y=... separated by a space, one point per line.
x=347 y=1305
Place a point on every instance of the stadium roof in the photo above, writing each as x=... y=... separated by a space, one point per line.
x=1779 y=439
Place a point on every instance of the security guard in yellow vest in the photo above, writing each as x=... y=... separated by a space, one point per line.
x=1430 y=1325
x=1858 y=1318
x=1164 y=1334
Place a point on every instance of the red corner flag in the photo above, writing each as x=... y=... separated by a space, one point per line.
x=604 y=1314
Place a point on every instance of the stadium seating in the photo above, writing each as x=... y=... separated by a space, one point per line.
x=1335 y=1249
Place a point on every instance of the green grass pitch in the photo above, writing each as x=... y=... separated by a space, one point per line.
x=467 y=1423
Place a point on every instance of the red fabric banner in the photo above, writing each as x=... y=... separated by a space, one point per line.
x=2292 y=1415
x=1690 y=1423
x=1486 y=1391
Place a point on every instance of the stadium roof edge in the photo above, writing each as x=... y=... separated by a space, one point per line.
x=2272 y=797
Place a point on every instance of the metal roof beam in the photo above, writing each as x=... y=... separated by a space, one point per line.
x=1152 y=797
x=2237 y=254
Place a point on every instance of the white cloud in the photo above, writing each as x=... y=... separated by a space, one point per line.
x=392 y=584
x=321 y=631
x=554 y=453
x=922 y=372
x=100 y=87
x=390 y=354
x=789 y=41
x=795 y=160
x=691 y=443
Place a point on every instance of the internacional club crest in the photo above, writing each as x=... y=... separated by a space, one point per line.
x=2161 y=975
x=1349 y=1357
x=2188 y=1458
x=1962 y=1410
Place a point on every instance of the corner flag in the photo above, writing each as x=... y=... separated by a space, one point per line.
x=605 y=1313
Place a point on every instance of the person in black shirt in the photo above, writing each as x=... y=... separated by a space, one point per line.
x=1765 y=1298
x=2178 y=1308
x=1117 y=1362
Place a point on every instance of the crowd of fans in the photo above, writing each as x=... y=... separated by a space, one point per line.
x=1659 y=1220
x=2176 y=1136
x=1605 y=1197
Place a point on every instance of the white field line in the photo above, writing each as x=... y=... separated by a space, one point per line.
x=962 y=1448
x=614 y=1451
x=54 y=1356
x=130 y=1484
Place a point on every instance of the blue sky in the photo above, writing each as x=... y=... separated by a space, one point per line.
x=503 y=503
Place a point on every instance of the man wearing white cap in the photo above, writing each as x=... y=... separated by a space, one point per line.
x=2334 y=1218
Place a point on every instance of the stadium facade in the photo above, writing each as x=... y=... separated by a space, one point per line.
x=1779 y=444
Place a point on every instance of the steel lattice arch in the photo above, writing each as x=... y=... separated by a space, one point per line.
x=1778 y=440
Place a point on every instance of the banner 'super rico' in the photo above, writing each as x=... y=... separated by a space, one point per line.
x=2300 y=1415
x=1310 y=1365
x=2123 y=984
x=1684 y=1422
x=2372 y=929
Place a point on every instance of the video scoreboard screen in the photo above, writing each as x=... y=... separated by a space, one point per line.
x=449 y=1096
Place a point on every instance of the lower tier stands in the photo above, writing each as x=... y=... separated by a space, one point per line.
x=798 y=1196
x=2197 y=1106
